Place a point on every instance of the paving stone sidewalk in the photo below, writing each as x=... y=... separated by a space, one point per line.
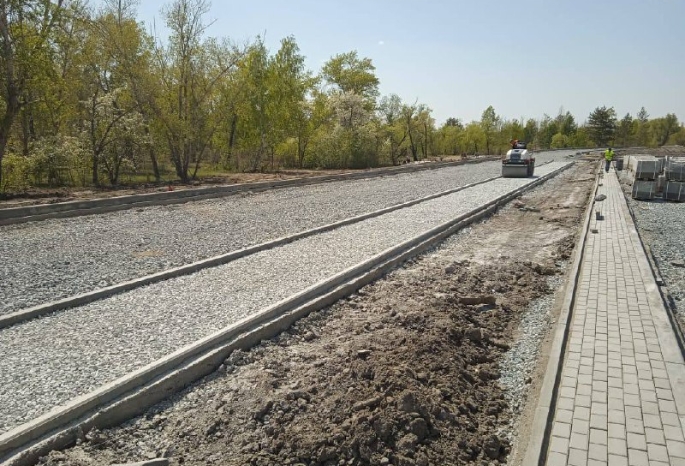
x=622 y=395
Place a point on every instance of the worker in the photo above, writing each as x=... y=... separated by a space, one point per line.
x=608 y=157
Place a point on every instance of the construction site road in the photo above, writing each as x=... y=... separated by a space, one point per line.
x=433 y=364
x=53 y=259
x=50 y=360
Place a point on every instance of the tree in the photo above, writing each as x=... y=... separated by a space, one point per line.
x=25 y=31
x=567 y=124
x=395 y=132
x=559 y=141
x=624 y=131
x=351 y=74
x=664 y=127
x=474 y=137
x=189 y=72
x=489 y=123
x=454 y=122
x=602 y=125
x=547 y=129
x=642 y=131
x=530 y=131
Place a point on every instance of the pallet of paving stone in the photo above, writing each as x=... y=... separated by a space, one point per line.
x=647 y=170
x=674 y=191
x=644 y=190
x=675 y=170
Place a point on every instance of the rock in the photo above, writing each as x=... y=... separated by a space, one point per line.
x=409 y=403
x=309 y=336
x=600 y=197
x=407 y=444
x=370 y=403
x=491 y=447
x=474 y=334
x=678 y=263
x=544 y=270
x=472 y=300
x=363 y=354
x=264 y=410
x=155 y=462
x=419 y=427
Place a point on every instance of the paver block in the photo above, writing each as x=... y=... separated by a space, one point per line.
x=637 y=457
x=675 y=448
x=657 y=452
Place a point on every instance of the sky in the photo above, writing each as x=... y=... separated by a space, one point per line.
x=524 y=57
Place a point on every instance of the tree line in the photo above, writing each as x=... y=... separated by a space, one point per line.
x=88 y=95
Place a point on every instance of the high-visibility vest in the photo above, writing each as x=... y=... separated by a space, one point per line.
x=609 y=155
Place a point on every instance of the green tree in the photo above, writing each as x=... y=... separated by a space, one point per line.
x=530 y=131
x=664 y=127
x=642 y=130
x=489 y=123
x=601 y=125
x=349 y=73
x=624 y=131
x=474 y=137
x=547 y=129
x=189 y=70
x=394 y=130
x=560 y=141
x=25 y=31
x=567 y=124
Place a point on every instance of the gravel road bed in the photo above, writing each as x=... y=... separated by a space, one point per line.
x=662 y=227
x=53 y=259
x=97 y=343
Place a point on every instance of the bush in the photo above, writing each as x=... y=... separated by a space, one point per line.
x=16 y=173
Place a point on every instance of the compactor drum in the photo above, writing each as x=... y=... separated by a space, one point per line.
x=518 y=163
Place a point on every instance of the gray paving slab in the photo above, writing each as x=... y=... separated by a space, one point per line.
x=627 y=402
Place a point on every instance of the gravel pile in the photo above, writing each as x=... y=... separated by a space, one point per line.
x=662 y=227
x=53 y=259
x=519 y=363
x=97 y=343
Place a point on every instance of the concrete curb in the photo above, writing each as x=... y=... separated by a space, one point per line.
x=91 y=296
x=667 y=328
x=132 y=394
x=544 y=413
x=16 y=215
x=666 y=299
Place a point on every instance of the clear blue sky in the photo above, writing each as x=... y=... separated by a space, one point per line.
x=524 y=57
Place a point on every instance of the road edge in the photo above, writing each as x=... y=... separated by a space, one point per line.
x=544 y=412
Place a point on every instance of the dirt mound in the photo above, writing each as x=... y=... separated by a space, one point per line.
x=410 y=382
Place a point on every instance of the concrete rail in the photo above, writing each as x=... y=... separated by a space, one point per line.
x=134 y=393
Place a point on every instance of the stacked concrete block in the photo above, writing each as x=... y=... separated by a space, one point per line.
x=674 y=191
x=675 y=169
x=644 y=190
x=647 y=169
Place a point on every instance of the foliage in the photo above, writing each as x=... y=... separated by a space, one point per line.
x=664 y=128
x=602 y=125
x=89 y=97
